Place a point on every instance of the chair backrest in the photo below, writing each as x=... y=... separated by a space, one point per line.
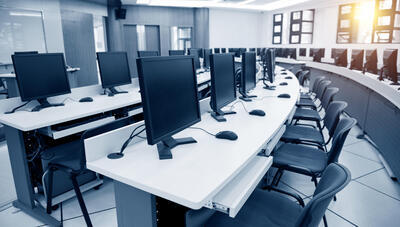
x=323 y=85
x=298 y=73
x=332 y=116
x=314 y=83
x=302 y=76
x=100 y=130
x=333 y=180
x=329 y=96
x=339 y=137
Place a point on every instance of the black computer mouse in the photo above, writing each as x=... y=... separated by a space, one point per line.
x=284 y=73
x=283 y=84
x=288 y=77
x=257 y=112
x=287 y=96
x=86 y=99
x=228 y=135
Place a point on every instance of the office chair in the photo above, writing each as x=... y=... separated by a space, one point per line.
x=308 y=103
x=266 y=208
x=312 y=89
x=313 y=115
x=70 y=159
x=301 y=134
x=302 y=76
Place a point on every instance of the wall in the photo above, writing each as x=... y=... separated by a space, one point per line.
x=232 y=28
x=325 y=28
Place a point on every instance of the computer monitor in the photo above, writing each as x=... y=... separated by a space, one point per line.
x=25 y=52
x=317 y=54
x=206 y=54
x=147 y=53
x=40 y=76
x=223 y=84
x=217 y=50
x=248 y=77
x=176 y=52
x=114 y=70
x=291 y=53
x=258 y=51
x=268 y=63
x=357 y=59
x=169 y=94
x=195 y=53
x=223 y=50
x=252 y=49
x=339 y=56
x=389 y=69
x=371 y=61
x=303 y=52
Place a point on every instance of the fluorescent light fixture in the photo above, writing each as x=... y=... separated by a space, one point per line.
x=278 y=4
x=25 y=14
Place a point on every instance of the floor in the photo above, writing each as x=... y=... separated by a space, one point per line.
x=371 y=199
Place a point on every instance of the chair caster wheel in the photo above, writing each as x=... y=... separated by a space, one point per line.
x=55 y=207
x=97 y=187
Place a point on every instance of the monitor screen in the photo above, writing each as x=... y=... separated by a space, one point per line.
x=148 y=53
x=217 y=50
x=41 y=75
x=114 y=69
x=169 y=95
x=303 y=52
x=357 y=59
x=223 y=84
x=271 y=64
x=176 y=52
x=291 y=53
x=248 y=81
x=207 y=53
x=195 y=53
x=390 y=64
x=223 y=50
x=340 y=56
x=371 y=61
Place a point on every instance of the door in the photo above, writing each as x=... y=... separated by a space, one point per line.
x=131 y=47
x=152 y=37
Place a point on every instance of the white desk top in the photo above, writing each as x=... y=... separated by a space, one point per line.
x=368 y=80
x=199 y=171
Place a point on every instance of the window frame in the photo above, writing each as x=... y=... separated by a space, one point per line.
x=388 y=28
x=300 y=22
x=277 y=23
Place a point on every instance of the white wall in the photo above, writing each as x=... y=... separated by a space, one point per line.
x=232 y=28
x=325 y=28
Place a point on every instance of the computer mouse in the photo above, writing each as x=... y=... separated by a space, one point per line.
x=228 y=135
x=287 y=96
x=283 y=84
x=86 y=99
x=257 y=112
x=288 y=77
x=284 y=73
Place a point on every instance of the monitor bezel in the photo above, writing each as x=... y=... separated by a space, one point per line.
x=243 y=86
x=148 y=51
x=127 y=64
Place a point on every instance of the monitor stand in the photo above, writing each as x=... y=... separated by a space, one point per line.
x=114 y=91
x=43 y=103
x=246 y=98
x=164 y=147
x=268 y=87
x=219 y=115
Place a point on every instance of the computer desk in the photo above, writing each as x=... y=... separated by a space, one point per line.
x=213 y=173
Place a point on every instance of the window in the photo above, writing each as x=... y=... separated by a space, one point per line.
x=277 y=29
x=301 y=27
x=386 y=28
x=181 y=38
x=99 y=33
x=141 y=37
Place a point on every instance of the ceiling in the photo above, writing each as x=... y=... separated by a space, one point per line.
x=256 y=5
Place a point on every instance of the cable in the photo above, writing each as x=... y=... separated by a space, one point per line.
x=209 y=133
x=63 y=102
x=16 y=108
x=233 y=105
x=126 y=143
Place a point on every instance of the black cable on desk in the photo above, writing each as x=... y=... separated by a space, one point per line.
x=209 y=133
x=233 y=105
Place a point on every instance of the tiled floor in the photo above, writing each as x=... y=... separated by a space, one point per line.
x=371 y=199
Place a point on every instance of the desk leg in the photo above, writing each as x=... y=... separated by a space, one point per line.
x=12 y=87
x=23 y=185
x=135 y=208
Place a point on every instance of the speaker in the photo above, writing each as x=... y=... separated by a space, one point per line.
x=120 y=13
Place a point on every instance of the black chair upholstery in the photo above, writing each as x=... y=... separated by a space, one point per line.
x=313 y=87
x=309 y=135
x=70 y=158
x=269 y=208
x=309 y=103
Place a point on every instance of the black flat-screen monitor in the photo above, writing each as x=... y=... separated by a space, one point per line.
x=339 y=56
x=40 y=76
x=217 y=50
x=206 y=54
x=291 y=53
x=25 y=52
x=248 y=78
x=147 y=53
x=371 y=61
x=195 y=53
x=169 y=94
x=357 y=59
x=258 y=51
x=223 y=50
x=114 y=69
x=303 y=52
x=252 y=49
x=223 y=83
x=389 y=69
x=176 y=52
x=270 y=55
x=317 y=54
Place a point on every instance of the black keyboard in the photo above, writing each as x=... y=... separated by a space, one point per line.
x=75 y=123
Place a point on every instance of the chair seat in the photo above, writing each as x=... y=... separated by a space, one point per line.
x=305 y=96
x=67 y=155
x=263 y=208
x=300 y=159
x=296 y=134
x=306 y=103
x=306 y=114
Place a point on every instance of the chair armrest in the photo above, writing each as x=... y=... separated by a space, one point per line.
x=294 y=195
